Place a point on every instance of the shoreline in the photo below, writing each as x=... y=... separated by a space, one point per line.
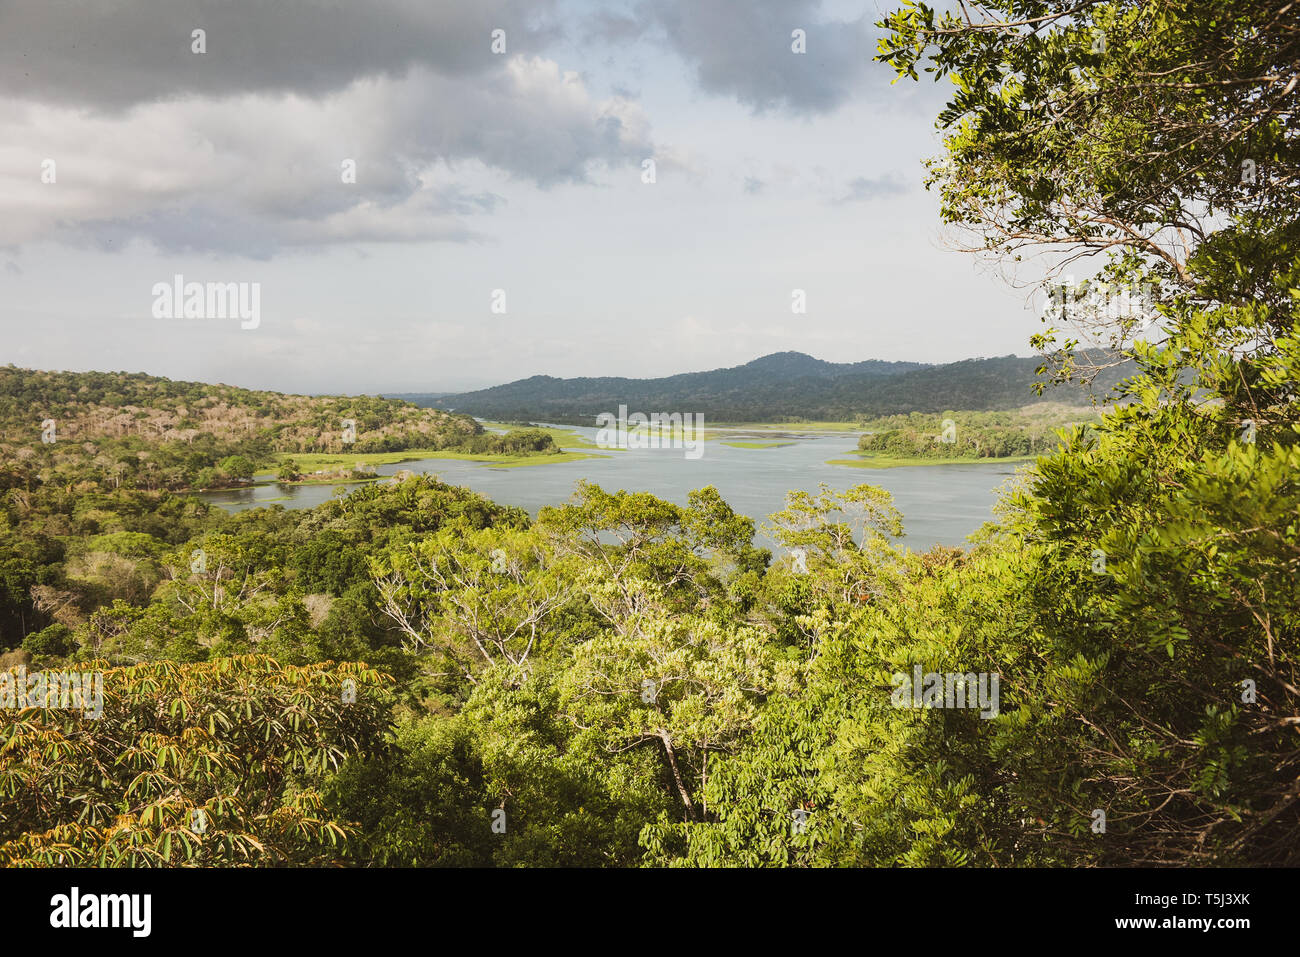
x=886 y=462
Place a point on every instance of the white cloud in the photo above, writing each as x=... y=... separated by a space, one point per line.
x=258 y=171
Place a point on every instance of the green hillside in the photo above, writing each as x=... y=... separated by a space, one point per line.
x=136 y=430
x=783 y=387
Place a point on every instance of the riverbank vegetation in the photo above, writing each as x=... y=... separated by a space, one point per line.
x=957 y=437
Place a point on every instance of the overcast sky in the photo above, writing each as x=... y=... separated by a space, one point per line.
x=476 y=171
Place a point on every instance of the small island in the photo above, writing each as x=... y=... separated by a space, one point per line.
x=963 y=438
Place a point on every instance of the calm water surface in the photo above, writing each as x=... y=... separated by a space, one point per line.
x=941 y=504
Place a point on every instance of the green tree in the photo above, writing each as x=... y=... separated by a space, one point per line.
x=1156 y=679
x=215 y=764
x=238 y=467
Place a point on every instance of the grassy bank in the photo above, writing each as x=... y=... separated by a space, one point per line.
x=564 y=438
x=867 y=461
x=343 y=461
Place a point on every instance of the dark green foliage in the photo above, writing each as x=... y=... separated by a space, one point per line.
x=54 y=640
x=965 y=435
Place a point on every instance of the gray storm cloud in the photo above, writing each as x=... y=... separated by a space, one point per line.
x=117 y=54
x=260 y=171
x=238 y=149
x=743 y=48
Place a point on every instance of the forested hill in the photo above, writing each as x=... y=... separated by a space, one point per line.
x=129 y=430
x=120 y=405
x=780 y=387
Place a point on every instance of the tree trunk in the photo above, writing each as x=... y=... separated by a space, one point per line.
x=677 y=775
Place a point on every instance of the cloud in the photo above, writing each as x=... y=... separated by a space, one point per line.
x=743 y=48
x=259 y=171
x=113 y=55
x=861 y=188
x=616 y=27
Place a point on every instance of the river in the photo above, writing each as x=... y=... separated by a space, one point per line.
x=941 y=504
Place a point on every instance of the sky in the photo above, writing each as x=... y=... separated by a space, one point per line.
x=436 y=196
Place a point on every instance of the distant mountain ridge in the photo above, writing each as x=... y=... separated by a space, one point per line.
x=783 y=386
